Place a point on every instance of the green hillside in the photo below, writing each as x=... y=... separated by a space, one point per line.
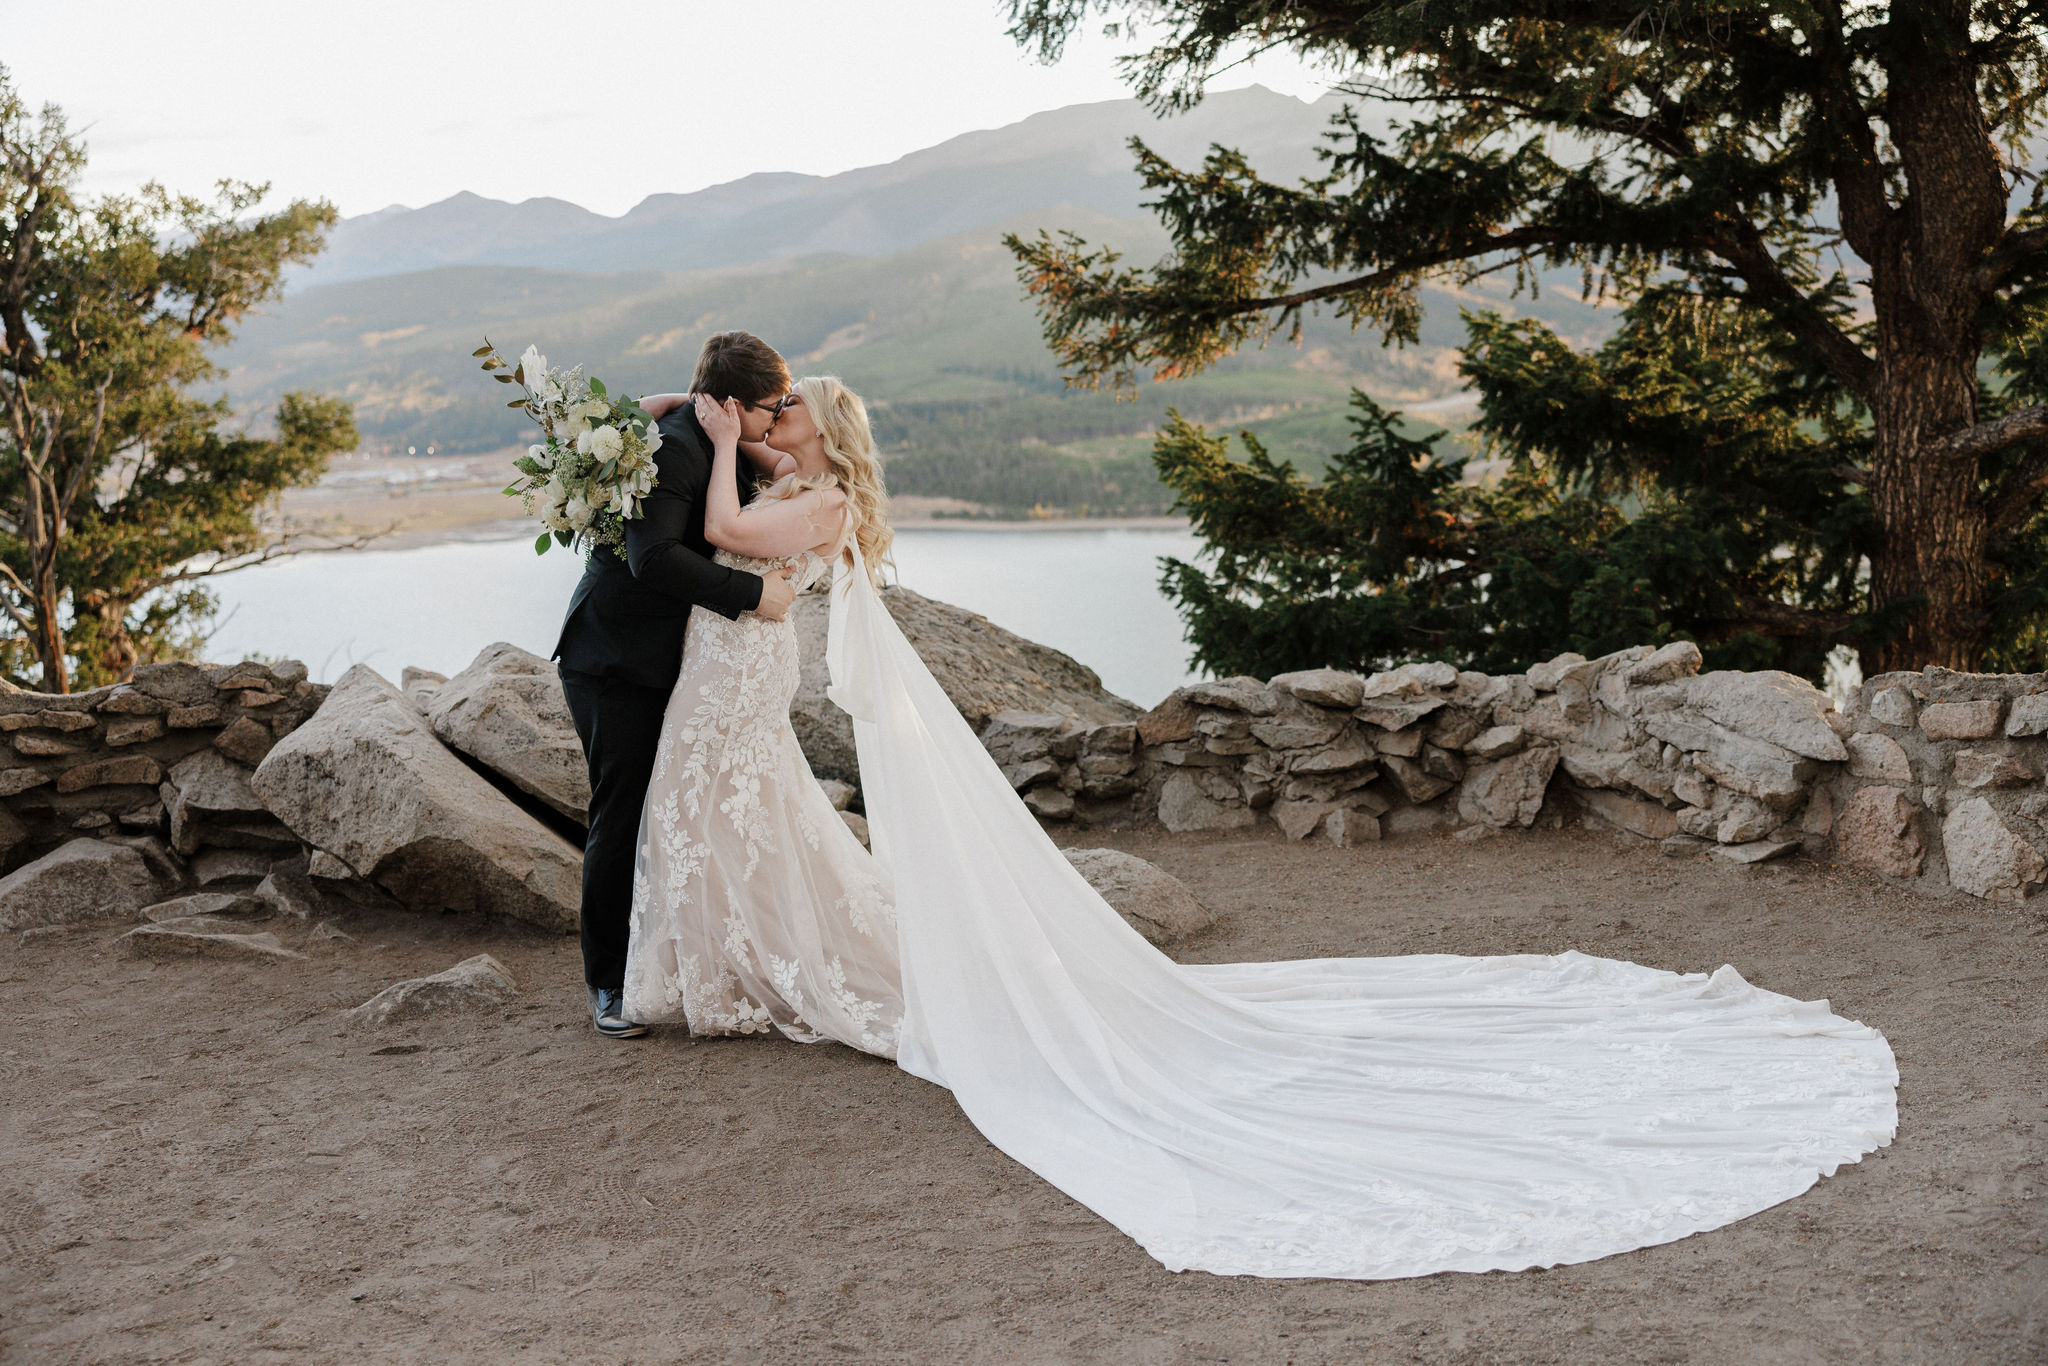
x=966 y=400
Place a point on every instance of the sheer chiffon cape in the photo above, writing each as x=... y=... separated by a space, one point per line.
x=1363 y=1118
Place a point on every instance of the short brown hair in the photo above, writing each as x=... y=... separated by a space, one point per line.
x=740 y=365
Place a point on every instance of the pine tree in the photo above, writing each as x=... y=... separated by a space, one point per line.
x=1818 y=198
x=120 y=488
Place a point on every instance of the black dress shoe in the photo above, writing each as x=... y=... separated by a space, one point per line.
x=608 y=1013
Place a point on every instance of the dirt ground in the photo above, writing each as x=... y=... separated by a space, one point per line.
x=198 y=1163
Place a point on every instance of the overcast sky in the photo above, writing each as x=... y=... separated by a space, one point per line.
x=601 y=102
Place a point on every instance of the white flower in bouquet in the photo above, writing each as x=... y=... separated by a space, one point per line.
x=589 y=477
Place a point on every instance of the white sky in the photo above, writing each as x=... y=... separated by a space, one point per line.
x=600 y=102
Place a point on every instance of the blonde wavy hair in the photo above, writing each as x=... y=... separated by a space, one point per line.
x=842 y=421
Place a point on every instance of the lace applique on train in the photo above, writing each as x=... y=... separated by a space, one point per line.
x=754 y=907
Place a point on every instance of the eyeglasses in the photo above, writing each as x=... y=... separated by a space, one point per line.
x=774 y=410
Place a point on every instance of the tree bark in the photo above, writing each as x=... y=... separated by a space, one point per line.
x=1931 y=560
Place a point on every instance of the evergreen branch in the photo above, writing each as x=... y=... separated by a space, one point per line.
x=1768 y=617
x=1750 y=254
x=1987 y=438
x=1520 y=238
x=2020 y=248
x=2018 y=495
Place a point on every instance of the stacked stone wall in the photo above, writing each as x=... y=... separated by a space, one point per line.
x=1931 y=778
x=161 y=762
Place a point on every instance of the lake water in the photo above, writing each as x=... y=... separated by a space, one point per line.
x=1091 y=592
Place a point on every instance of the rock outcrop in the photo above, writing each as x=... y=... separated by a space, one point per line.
x=367 y=781
x=983 y=668
x=506 y=711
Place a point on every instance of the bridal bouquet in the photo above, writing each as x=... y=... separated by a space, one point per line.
x=595 y=463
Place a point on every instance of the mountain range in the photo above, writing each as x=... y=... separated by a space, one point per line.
x=892 y=276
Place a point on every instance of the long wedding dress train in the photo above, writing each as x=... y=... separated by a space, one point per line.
x=1364 y=1118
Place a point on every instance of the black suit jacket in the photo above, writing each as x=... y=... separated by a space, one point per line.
x=627 y=616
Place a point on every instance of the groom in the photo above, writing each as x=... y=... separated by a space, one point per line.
x=622 y=643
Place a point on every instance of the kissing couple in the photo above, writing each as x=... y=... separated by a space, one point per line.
x=1360 y=1118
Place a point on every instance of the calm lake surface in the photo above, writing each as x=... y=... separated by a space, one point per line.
x=1092 y=593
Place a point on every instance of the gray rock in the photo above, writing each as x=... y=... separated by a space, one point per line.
x=12 y=832
x=365 y=779
x=1184 y=806
x=1406 y=743
x=203 y=937
x=1153 y=902
x=225 y=868
x=840 y=794
x=85 y=879
x=1960 y=720
x=1647 y=819
x=1679 y=659
x=1507 y=791
x=1546 y=676
x=1397 y=713
x=1413 y=779
x=1985 y=857
x=1410 y=680
x=420 y=685
x=1323 y=687
x=858 y=824
x=1243 y=693
x=983 y=669
x=1879 y=828
x=1349 y=753
x=1497 y=742
x=1872 y=755
x=478 y=983
x=1347 y=828
x=218 y=905
x=1050 y=804
x=246 y=741
x=1894 y=707
x=1756 y=851
x=507 y=712
x=324 y=865
x=206 y=787
x=1300 y=819
x=1023 y=775
x=2028 y=715
x=1779 y=708
x=1980 y=768
x=287 y=891
x=1296 y=725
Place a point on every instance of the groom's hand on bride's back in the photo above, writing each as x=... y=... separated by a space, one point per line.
x=776 y=595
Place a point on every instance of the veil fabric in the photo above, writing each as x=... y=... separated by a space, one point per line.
x=1364 y=1118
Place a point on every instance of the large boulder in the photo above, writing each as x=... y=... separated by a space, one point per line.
x=507 y=712
x=1155 y=903
x=1508 y=791
x=1777 y=708
x=983 y=669
x=365 y=780
x=86 y=879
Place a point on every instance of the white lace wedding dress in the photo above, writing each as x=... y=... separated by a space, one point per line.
x=1363 y=1118
x=754 y=907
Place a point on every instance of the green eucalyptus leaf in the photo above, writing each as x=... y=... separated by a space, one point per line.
x=540 y=546
x=597 y=386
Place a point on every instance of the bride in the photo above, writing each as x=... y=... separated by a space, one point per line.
x=1363 y=1118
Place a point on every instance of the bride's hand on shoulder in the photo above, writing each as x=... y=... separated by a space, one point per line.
x=721 y=421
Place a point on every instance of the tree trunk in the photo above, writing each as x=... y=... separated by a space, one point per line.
x=1931 y=559
x=49 y=638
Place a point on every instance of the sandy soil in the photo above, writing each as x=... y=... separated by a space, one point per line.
x=197 y=1163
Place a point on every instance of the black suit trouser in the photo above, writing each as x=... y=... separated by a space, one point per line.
x=619 y=724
